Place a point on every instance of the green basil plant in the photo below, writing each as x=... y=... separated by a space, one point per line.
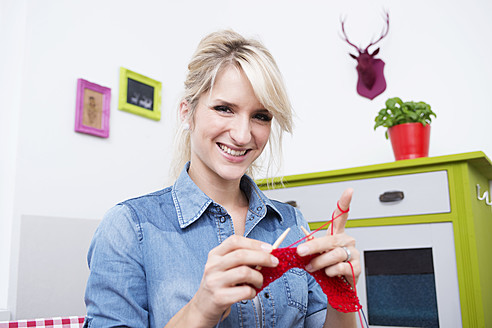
x=399 y=112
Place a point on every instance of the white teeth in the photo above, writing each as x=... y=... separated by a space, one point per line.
x=231 y=151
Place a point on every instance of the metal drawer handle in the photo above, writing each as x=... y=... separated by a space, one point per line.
x=391 y=196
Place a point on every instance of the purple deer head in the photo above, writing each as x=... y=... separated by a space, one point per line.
x=371 y=82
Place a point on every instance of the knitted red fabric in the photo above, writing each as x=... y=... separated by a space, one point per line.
x=340 y=293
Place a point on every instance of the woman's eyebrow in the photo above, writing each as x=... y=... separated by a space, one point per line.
x=223 y=102
x=219 y=101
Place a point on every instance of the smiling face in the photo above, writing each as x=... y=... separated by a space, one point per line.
x=229 y=130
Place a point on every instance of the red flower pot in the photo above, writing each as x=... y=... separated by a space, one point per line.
x=410 y=140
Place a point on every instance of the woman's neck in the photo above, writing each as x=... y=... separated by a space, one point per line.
x=224 y=192
x=227 y=193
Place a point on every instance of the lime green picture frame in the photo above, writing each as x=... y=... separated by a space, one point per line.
x=139 y=94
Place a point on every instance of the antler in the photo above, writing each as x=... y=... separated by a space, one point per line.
x=346 y=37
x=383 y=33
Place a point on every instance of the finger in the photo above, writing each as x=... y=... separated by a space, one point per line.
x=234 y=277
x=228 y=296
x=344 y=204
x=248 y=257
x=352 y=279
x=339 y=269
x=239 y=242
x=345 y=269
x=240 y=276
x=325 y=244
x=333 y=257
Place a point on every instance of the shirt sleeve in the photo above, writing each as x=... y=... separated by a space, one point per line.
x=116 y=293
x=317 y=300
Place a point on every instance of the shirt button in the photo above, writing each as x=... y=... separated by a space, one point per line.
x=267 y=295
x=222 y=219
x=244 y=301
x=258 y=208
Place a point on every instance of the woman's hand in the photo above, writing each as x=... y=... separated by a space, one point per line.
x=228 y=278
x=333 y=257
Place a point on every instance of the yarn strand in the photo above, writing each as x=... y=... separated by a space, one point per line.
x=333 y=218
x=335 y=287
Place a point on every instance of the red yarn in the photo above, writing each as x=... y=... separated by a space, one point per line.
x=340 y=293
x=333 y=217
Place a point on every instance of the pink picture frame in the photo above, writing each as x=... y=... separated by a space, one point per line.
x=92 y=109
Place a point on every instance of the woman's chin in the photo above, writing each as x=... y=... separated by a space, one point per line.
x=232 y=173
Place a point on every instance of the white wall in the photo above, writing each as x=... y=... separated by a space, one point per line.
x=12 y=30
x=435 y=51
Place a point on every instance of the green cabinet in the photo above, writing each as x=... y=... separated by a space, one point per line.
x=445 y=189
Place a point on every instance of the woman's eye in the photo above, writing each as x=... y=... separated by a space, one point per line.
x=224 y=109
x=263 y=117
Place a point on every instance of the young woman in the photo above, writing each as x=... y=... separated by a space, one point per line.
x=189 y=255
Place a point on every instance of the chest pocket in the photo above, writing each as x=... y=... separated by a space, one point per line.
x=296 y=288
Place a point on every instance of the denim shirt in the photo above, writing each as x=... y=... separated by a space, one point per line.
x=148 y=255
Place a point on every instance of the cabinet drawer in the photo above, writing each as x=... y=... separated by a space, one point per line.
x=423 y=193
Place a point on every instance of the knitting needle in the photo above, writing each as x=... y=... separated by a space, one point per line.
x=306 y=233
x=280 y=239
x=277 y=243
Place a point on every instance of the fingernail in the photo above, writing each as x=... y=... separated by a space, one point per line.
x=274 y=260
x=266 y=247
x=302 y=250
x=309 y=267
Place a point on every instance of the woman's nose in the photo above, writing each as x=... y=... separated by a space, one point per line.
x=240 y=131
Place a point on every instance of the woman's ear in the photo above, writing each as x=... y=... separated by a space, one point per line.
x=184 y=111
x=184 y=114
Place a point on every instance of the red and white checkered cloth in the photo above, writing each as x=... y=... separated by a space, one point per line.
x=67 y=322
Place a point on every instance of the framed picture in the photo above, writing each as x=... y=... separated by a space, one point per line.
x=92 y=109
x=139 y=95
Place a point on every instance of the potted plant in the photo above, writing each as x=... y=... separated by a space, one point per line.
x=408 y=126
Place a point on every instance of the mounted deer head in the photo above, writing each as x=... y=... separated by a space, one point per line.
x=371 y=81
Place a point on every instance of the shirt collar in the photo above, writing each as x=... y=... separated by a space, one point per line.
x=191 y=202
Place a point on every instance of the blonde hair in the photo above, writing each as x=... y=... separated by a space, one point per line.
x=216 y=52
